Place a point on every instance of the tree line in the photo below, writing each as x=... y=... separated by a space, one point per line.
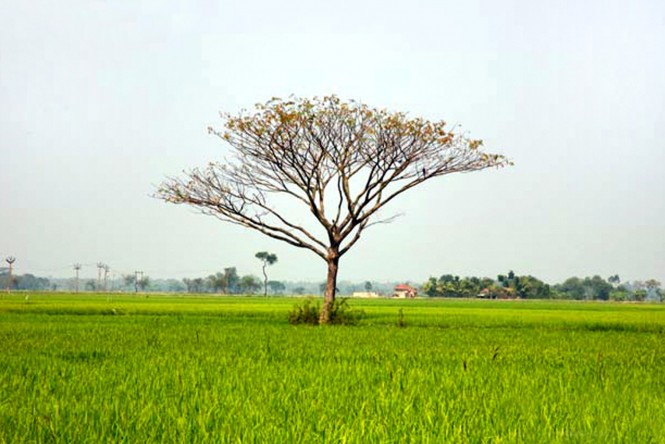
x=228 y=281
x=512 y=286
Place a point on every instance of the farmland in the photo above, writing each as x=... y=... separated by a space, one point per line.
x=100 y=368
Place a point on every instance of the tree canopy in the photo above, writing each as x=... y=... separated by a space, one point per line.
x=342 y=161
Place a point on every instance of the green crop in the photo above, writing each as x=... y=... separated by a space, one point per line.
x=109 y=368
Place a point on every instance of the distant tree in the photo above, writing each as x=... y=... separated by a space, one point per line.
x=196 y=285
x=276 y=287
x=368 y=286
x=341 y=162
x=620 y=294
x=571 y=288
x=506 y=286
x=299 y=290
x=588 y=288
x=129 y=280
x=143 y=283
x=267 y=259
x=533 y=288
x=448 y=286
x=217 y=282
x=514 y=283
x=31 y=282
x=640 y=295
x=249 y=284
x=653 y=290
x=652 y=284
x=600 y=288
x=10 y=282
x=232 y=280
x=175 y=286
x=430 y=287
x=615 y=280
x=468 y=287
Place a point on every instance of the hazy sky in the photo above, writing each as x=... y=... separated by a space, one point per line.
x=100 y=100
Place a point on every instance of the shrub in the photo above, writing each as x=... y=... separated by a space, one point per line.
x=305 y=313
x=340 y=314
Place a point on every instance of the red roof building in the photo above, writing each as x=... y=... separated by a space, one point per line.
x=405 y=291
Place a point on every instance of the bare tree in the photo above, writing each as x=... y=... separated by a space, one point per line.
x=342 y=162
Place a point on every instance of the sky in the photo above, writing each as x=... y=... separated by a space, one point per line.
x=102 y=100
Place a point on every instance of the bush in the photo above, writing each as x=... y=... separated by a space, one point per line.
x=341 y=313
x=305 y=313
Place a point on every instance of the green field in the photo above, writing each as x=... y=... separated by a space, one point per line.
x=102 y=368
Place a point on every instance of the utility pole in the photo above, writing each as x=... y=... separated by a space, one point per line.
x=10 y=260
x=136 y=280
x=100 y=265
x=77 y=267
x=106 y=277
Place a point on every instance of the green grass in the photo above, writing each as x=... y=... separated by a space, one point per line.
x=102 y=368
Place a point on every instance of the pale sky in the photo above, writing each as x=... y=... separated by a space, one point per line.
x=101 y=100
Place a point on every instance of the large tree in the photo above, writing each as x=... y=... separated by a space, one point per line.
x=341 y=161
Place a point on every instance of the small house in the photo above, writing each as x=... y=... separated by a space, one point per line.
x=404 y=291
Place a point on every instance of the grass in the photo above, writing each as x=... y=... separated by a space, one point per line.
x=231 y=369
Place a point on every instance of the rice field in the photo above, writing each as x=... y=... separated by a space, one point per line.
x=109 y=368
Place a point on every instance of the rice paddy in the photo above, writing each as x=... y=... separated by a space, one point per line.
x=110 y=368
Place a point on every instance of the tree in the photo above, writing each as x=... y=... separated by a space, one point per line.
x=174 y=286
x=143 y=283
x=341 y=162
x=588 y=288
x=276 y=286
x=217 y=282
x=267 y=259
x=231 y=279
x=129 y=280
x=195 y=285
x=90 y=285
x=534 y=288
x=620 y=293
x=31 y=282
x=615 y=280
x=430 y=287
x=368 y=286
x=652 y=284
x=571 y=288
x=249 y=284
x=600 y=288
x=653 y=290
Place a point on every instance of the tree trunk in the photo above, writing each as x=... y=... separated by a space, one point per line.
x=331 y=287
x=265 y=281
